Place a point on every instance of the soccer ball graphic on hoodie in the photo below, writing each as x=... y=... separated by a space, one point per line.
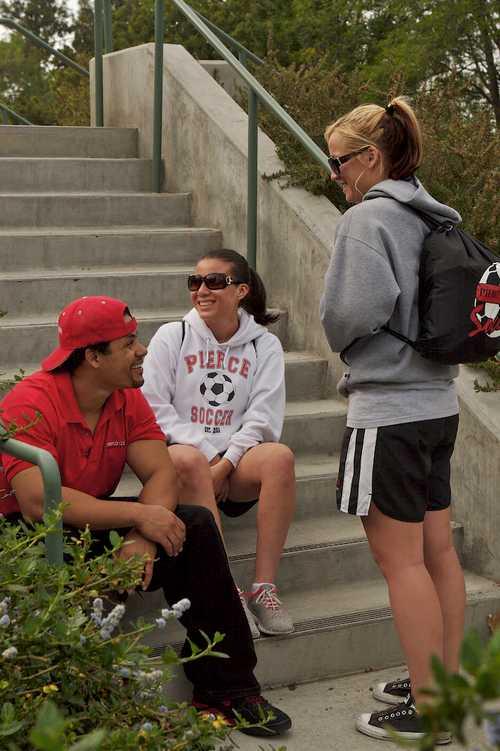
x=217 y=388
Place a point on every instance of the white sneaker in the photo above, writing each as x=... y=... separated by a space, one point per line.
x=251 y=620
x=272 y=618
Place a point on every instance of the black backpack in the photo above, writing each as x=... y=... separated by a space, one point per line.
x=459 y=297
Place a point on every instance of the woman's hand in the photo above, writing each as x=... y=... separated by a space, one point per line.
x=220 y=470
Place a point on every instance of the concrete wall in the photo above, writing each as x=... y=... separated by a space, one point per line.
x=476 y=475
x=205 y=152
x=225 y=75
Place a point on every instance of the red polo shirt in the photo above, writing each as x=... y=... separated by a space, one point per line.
x=90 y=462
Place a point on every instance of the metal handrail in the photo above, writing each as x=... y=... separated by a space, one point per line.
x=241 y=49
x=11 y=24
x=14 y=115
x=51 y=487
x=257 y=93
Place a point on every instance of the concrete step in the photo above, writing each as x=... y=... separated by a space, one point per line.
x=340 y=628
x=49 y=291
x=54 y=141
x=316 y=477
x=93 y=209
x=29 y=175
x=51 y=248
x=319 y=552
x=316 y=425
x=306 y=376
x=29 y=338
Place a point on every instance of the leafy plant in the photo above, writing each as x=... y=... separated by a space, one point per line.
x=70 y=679
x=492 y=369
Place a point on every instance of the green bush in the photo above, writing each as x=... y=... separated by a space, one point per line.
x=69 y=678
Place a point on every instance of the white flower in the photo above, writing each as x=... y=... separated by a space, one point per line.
x=4 y=605
x=147 y=726
x=9 y=653
x=492 y=729
x=161 y=622
x=5 y=620
x=111 y=621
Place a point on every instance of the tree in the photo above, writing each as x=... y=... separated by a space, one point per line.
x=25 y=79
x=431 y=39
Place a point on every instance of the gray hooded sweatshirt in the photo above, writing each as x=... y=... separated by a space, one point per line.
x=372 y=280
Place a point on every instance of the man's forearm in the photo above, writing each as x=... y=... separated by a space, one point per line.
x=84 y=509
x=161 y=489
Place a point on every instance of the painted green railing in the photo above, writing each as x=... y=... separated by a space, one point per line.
x=51 y=486
x=8 y=112
x=219 y=40
x=10 y=23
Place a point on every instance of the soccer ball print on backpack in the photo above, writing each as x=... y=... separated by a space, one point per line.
x=459 y=297
x=485 y=314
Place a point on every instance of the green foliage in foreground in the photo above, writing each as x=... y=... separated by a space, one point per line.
x=474 y=695
x=69 y=678
x=492 y=370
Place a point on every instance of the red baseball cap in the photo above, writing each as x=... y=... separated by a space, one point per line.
x=87 y=321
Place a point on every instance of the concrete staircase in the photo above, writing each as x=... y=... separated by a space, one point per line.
x=76 y=218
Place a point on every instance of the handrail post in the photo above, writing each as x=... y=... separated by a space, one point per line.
x=99 y=89
x=108 y=26
x=158 y=95
x=51 y=488
x=251 y=173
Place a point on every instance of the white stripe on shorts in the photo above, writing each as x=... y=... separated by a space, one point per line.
x=358 y=470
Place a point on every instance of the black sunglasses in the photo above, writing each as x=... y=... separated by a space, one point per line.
x=216 y=280
x=336 y=162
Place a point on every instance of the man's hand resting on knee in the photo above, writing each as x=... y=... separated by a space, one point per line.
x=162 y=526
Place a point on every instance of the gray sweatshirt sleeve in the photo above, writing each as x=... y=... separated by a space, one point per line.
x=360 y=291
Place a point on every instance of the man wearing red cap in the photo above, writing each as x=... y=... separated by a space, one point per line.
x=93 y=419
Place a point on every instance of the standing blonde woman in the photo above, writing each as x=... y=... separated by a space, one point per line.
x=403 y=412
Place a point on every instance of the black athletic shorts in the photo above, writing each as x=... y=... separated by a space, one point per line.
x=236 y=508
x=403 y=469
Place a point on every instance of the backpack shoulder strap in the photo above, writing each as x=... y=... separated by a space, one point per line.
x=183 y=324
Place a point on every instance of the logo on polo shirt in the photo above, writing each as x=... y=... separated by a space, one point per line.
x=115 y=444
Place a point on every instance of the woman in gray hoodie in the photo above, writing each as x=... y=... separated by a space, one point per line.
x=403 y=411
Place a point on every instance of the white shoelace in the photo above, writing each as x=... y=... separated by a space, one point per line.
x=268 y=598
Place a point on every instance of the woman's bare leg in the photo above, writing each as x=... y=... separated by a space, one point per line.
x=398 y=548
x=442 y=563
x=267 y=472
x=195 y=480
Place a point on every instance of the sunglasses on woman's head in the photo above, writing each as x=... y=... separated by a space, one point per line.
x=216 y=280
x=336 y=162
